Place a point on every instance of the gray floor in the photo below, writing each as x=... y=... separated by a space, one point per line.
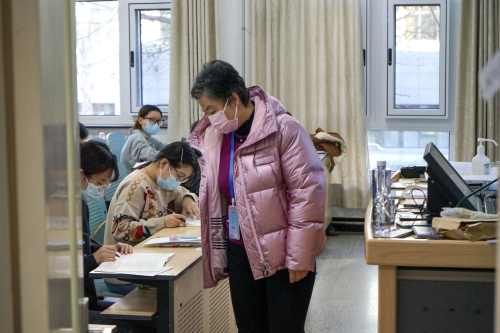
x=345 y=297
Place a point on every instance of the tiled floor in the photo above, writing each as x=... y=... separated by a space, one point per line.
x=345 y=298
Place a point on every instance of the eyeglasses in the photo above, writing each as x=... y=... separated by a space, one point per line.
x=154 y=121
x=183 y=179
x=102 y=187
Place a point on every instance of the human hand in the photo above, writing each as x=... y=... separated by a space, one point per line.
x=296 y=276
x=124 y=248
x=190 y=206
x=105 y=253
x=173 y=220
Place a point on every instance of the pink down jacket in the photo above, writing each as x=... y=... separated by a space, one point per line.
x=279 y=186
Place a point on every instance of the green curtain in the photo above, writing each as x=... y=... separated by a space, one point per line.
x=479 y=38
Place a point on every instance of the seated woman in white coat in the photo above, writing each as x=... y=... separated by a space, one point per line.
x=141 y=146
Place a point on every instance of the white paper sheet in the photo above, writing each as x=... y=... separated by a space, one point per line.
x=173 y=239
x=131 y=266
x=193 y=223
x=146 y=256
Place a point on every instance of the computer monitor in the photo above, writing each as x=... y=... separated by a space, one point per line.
x=450 y=185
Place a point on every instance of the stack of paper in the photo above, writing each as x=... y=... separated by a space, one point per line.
x=174 y=241
x=192 y=223
x=146 y=264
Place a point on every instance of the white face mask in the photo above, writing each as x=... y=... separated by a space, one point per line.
x=221 y=123
x=92 y=193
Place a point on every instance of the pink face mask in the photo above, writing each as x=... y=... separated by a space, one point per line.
x=221 y=123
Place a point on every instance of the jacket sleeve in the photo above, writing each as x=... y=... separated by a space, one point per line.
x=141 y=150
x=305 y=184
x=89 y=264
x=158 y=145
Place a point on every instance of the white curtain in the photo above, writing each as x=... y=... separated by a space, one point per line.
x=308 y=54
x=479 y=38
x=194 y=41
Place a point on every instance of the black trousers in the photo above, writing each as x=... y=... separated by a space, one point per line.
x=271 y=304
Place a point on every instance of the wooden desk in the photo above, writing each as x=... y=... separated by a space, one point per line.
x=396 y=256
x=182 y=305
x=104 y=328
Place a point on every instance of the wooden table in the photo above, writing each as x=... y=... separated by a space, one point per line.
x=182 y=305
x=395 y=258
x=103 y=328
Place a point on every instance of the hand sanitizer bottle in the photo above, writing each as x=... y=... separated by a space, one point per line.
x=481 y=162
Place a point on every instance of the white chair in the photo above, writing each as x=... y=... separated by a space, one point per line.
x=116 y=141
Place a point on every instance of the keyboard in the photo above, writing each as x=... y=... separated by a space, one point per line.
x=490 y=205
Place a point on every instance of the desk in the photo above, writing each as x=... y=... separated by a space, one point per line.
x=406 y=260
x=182 y=305
x=103 y=328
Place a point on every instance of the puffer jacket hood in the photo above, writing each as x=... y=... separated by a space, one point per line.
x=279 y=185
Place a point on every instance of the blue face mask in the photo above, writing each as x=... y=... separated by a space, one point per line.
x=168 y=184
x=151 y=129
x=92 y=193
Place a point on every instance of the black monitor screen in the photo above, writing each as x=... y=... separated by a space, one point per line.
x=447 y=179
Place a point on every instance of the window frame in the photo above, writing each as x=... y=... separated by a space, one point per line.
x=134 y=40
x=391 y=40
x=376 y=77
x=126 y=117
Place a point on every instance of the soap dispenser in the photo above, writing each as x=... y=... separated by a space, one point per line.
x=481 y=162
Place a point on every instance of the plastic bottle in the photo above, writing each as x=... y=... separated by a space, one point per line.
x=381 y=210
x=481 y=162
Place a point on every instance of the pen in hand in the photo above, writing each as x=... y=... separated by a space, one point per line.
x=171 y=212
x=99 y=244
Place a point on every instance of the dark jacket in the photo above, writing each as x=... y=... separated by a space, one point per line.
x=89 y=263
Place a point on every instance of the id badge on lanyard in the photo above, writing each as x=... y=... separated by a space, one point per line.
x=234 y=225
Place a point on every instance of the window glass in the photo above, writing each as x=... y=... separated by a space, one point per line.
x=155 y=56
x=97 y=41
x=417 y=56
x=404 y=148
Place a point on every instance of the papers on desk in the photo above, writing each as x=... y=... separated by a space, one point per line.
x=192 y=223
x=174 y=241
x=146 y=264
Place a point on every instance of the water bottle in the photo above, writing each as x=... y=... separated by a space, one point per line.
x=381 y=200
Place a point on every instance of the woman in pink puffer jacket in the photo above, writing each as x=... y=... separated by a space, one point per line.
x=277 y=184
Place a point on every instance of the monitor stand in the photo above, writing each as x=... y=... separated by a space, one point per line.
x=436 y=200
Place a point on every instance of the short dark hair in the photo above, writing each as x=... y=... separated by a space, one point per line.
x=174 y=152
x=218 y=80
x=84 y=132
x=95 y=157
x=143 y=112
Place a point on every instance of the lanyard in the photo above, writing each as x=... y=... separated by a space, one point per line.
x=231 y=167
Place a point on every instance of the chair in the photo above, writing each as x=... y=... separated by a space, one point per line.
x=110 y=192
x=97 y=220
x=99 y=140
x=116 y=141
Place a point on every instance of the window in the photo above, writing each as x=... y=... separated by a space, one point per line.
x=416 y=58
x=97 y=40
x=149 y=54
x=403 y=148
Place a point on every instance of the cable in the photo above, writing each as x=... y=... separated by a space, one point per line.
x=479 y=189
